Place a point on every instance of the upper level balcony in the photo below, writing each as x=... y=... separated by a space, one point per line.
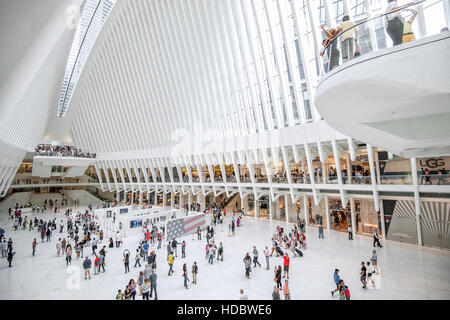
x=390 y=86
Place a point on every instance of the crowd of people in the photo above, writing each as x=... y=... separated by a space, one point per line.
x=83 y=231
x=61 y=151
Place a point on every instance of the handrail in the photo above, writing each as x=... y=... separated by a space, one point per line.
x=327 y=48
x=376 y=17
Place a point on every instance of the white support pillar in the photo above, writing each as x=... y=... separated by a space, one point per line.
x=172 y=200
x=383 y=227
x=156 y=198
x=271 y=207
x=324 y=172
x=257 y=208
x=416 y=199
x=377 y=167
x=140 y=197
x=305 y=209
x=353 y=215
x=117 y=196
x=245 y=204
x=327 y=211
x=181 y=200
x=164 y=199
x=372 y=177
x=349 y=168
x=287 y=209
x=189 y=200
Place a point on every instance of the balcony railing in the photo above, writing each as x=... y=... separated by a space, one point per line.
x=352 y=40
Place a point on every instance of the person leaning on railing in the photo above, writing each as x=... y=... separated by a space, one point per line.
x=395 y=25
x=349 y=38
x=334 y=56
x=408 y=34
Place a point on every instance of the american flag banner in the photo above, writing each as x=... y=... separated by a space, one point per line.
x=184 y=225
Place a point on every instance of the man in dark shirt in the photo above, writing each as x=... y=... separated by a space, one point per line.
x=363 y=274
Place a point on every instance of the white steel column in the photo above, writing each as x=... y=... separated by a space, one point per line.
x=305 y=209
x=349 y=168
x=377 y=167
x=372 y=177
x=353 y=215
x=416 y=199
x=172 y=200
x=287 y=204
x=327 y=211
x=189 y=200
x=383 y=227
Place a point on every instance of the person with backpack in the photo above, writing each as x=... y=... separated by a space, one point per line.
x=87 y=267
x=185 y=276
x=183 y=249
x=170 y=261
x=126 y=260
x=194 y=272
x=255 y=257
x=247 y=264
x=174 y=246
x=277 y=278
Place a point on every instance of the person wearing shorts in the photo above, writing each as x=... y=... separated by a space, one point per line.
x=370 y=272
x=286 y=265
x=363 y=275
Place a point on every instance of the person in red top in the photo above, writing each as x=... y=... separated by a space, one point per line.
x=147 y=235
x=286 y=265
x=34 y=246
x=96 y=265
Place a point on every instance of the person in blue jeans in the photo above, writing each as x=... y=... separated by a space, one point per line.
x=337 y=280
x=153 y=284
x=321 y=232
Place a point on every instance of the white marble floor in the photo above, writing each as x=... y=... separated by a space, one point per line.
x=406 y=272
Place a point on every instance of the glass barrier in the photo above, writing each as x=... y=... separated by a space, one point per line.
x=397 y=25
x=396 y=179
